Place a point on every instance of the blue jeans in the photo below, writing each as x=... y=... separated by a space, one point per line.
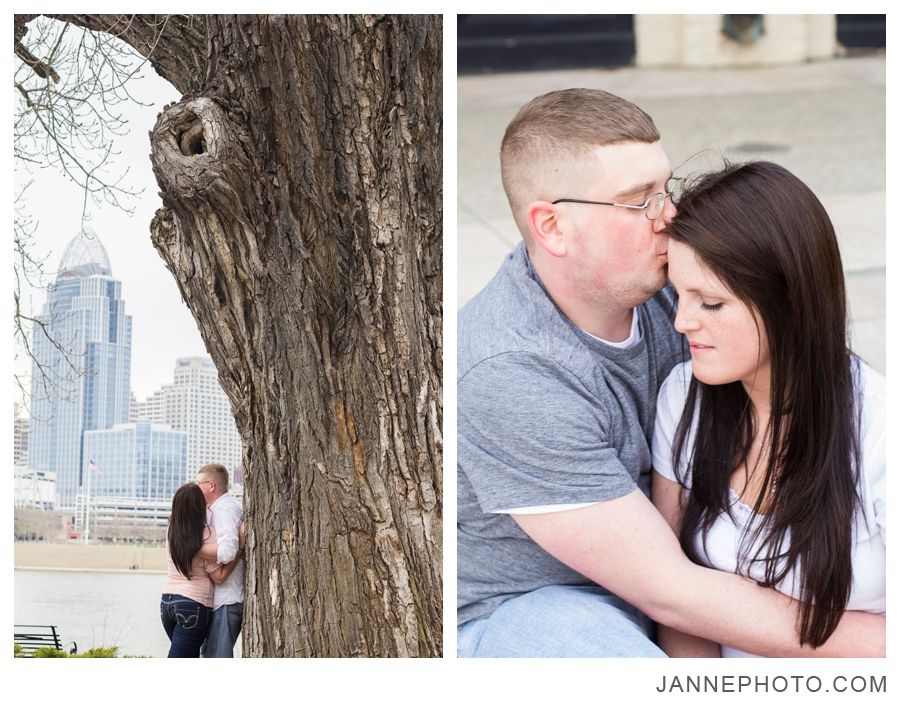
x=186 y=623
x=559 y=621
x=223 y=631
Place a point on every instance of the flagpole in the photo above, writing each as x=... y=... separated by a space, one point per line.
x=87 y=507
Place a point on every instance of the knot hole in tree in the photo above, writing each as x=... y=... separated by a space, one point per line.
x=191 y=139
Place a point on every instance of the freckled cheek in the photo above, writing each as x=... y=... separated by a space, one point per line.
x=715 y=325
x=740 y=340
x=726 y=334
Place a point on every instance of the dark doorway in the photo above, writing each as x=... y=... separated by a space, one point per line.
x=862 y=31
x=502 y=43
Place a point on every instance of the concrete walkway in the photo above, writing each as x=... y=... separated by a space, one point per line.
x=825 y=121
x=79 y=556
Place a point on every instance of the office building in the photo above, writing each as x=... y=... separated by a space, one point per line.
x=82 y=364
x=195 y=404
x=20 y=438
x=140 y=461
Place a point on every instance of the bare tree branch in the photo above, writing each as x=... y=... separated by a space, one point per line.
x=30 y=270
x=70 y=83
x=176 y=45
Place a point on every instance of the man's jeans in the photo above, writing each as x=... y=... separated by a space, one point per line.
x=224 y=628
x=186 y=623
x=559 y=621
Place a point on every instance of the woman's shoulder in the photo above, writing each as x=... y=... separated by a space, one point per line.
x=675 y=386
x=669 y=407
x=672 y=396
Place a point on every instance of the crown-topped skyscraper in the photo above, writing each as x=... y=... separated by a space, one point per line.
x=81 y=374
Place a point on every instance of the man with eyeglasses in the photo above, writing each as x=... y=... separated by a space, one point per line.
x=225 y=516
x=560 y=357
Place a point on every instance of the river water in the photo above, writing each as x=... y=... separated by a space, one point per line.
x=96 y=608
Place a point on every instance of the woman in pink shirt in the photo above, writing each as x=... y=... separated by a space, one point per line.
x=192 y=574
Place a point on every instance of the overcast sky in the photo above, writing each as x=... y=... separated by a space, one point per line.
x=162 y=326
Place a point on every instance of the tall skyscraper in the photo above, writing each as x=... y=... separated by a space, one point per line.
x=196 y=404
x=81 y=374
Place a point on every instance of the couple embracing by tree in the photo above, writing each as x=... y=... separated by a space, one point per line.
x=202 y=602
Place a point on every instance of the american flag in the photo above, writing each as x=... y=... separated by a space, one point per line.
x=94 y=468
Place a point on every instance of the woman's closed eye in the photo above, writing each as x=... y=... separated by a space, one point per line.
x=711 y=306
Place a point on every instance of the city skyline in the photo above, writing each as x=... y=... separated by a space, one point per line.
x=193 y=404
x=84 y=412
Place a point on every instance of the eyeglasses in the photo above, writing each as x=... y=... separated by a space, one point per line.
x=200 y=482
x=652 y=207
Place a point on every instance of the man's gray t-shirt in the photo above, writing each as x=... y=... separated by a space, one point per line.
x=546 y=415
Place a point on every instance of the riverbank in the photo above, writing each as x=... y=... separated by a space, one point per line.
x=94 y=609
x=90 y=557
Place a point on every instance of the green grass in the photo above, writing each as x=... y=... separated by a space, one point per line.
x=108 y=652
x=49 y=653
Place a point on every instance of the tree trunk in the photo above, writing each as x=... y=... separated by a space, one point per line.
x=302 y=213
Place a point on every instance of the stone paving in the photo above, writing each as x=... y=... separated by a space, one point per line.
x=825 y=121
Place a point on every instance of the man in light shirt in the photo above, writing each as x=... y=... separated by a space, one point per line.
x=225 y=516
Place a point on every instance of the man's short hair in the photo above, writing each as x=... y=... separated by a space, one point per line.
x=217 y=472
x=556 y=128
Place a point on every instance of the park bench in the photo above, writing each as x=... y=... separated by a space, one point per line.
x=31 y=637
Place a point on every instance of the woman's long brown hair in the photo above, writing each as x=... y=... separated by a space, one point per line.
x=186 y=526
x=766 y=236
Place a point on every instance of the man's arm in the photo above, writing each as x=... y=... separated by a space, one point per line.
x=627 y=547
x=667 y=498
x=219 y=574
x=227 y=520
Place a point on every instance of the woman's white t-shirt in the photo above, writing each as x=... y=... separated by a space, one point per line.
x=724 y=539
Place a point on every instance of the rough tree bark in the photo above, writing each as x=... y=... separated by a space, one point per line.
x=301 y=183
